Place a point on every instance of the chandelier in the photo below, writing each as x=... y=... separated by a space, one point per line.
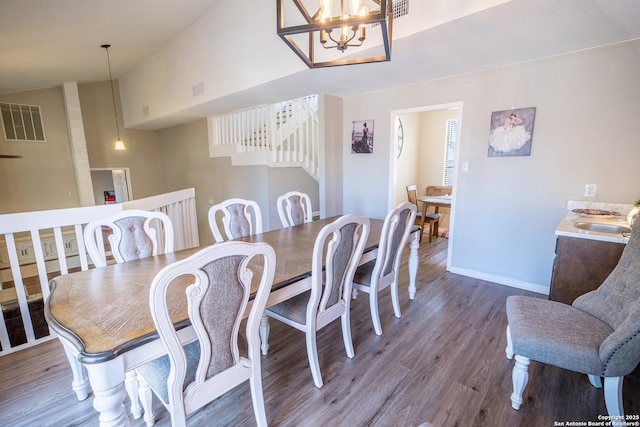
x=325 y=33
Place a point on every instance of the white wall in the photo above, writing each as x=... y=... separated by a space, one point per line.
x=220 y=53
x=406 y=170
x=507 y=208
x=226 y=51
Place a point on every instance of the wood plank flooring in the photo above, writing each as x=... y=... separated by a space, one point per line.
x=443 y=362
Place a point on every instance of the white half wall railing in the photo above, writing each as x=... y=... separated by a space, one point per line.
x=286 y=133
x=37 y=246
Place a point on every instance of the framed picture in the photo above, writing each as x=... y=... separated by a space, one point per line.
x=510 y=132
x=362 y=136
x=109 y=197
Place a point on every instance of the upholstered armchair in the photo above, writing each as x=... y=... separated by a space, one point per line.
x=598 y=335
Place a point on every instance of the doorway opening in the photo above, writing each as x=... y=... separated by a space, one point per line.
x=422 y=155
x=111 y=185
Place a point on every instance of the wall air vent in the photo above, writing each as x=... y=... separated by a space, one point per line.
x=400 y=8
x=22 y=122
x=198 y=89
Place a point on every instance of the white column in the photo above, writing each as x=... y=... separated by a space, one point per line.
x=78 y=143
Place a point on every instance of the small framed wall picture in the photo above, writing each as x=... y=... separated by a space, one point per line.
x=362 y=137
x=510 y=132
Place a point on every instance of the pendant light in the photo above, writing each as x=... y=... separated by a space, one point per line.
x=119 y=144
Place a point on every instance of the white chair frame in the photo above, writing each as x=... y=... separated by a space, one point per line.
x=204 y=390
x=387 y=263
x=318 y=311
x=228 y=220
x=95 y=244
x=286 y=208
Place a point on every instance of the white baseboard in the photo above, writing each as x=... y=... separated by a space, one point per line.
x=502 y=280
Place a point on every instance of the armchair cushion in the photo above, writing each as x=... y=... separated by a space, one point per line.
x=557 y=334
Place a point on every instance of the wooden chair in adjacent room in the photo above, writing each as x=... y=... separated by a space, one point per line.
x=431 y=220
x=440 y=190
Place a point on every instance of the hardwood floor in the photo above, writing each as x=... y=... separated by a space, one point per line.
x=443 y=362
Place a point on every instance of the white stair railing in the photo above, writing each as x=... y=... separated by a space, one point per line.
x=288 y=130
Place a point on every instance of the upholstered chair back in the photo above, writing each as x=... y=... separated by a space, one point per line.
x=617 y=303
x=294 y=208
x=239 y=218
x=132 y=234
x=216 y=283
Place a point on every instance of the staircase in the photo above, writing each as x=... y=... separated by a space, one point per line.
x=278 y=135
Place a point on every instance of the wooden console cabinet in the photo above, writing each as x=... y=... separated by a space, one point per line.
x=580 y=266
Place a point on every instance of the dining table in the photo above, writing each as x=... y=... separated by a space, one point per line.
x=436 y=201
x=102 y=318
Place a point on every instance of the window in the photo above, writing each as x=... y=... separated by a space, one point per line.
x=22 y=122
x=451 y=139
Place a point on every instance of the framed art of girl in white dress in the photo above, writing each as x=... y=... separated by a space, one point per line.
x=510 y=133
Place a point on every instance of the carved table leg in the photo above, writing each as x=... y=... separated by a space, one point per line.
x=107 y=382
x=413 y=264
x=80 y=383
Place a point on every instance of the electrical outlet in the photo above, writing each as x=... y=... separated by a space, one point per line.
x=590 y=190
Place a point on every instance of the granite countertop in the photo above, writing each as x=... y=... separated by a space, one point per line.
x=567 y=228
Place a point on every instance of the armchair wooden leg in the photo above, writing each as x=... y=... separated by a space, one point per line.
x=595 y=381
x=613 y=397
x=509 y=350
x=520 y=377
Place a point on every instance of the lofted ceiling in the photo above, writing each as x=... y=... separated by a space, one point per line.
x=45 y=43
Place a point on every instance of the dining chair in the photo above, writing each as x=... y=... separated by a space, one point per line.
x=381 y=273
x=217 y=283
x=294 y=208
x=131 y=234
x=431 y=220
x=342 y=242
x=597 y=335
x=438 y=191
x=240 y=218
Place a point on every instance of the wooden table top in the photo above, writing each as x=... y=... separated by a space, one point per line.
x=435 y=200
x=104 y=311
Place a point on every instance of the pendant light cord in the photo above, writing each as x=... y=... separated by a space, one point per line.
x=113 y=94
